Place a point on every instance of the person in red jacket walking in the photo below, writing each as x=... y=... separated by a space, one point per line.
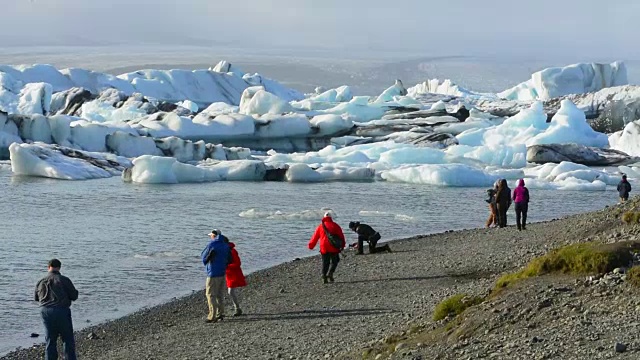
x=324 y=233
x=235 y=277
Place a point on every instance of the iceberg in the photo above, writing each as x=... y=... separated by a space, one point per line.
x=223 y=124
x=304 y=173
x=573 y=79
x=181 y=150
x=627 y=140
x=149 y=169
x=458 y=175
x=580 y=154
x=390 y=93
x=129 y=145
x=569 y=125
x=331 y=125
x=202 y=87
x=306 y=215
x=444 y=87
x=256 y=101
x=57 y=162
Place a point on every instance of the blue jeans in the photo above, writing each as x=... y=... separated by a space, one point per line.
x=57 y=322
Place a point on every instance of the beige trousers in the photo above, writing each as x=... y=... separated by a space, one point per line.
x=215 y=292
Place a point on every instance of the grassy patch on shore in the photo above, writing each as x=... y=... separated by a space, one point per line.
x=579 y=259
x=455 y=305
x=633 y=276
x=631 y=217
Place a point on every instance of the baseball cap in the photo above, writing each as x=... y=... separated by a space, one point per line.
x=215 y=232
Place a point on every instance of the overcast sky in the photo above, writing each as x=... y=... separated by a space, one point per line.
x=543 y=28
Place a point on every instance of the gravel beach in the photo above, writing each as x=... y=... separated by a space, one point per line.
x=291 y=314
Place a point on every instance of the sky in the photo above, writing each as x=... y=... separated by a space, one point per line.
x=542 y=28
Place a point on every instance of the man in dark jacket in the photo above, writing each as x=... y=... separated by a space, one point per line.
x=215 y=258
x=330 y=252
x=624 y=188
x=55 y=293
x=366 y=233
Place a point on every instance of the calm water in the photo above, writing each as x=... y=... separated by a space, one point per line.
x=128 y=246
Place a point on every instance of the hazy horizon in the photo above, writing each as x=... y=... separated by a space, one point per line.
x=544 y=29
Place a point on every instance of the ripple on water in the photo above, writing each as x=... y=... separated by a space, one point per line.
x=120 y=243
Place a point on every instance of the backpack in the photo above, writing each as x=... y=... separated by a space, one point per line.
x=334 y=240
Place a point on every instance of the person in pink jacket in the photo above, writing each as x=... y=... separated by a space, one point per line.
x=521 y=199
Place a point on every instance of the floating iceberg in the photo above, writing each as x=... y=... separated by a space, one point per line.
x=307 y=215
x=580 y=154
x=444 y=87
x=217 y=124
x=627 y=140
x=573 y=79
x=304 y=173
x=63 y=163
x=201 y=87
x=441 y=175
x=149 y=169
x=569 y=125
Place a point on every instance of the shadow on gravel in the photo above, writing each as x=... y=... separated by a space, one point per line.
x=313 y=314
x=466 y=276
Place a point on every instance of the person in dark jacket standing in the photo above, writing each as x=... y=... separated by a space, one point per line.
x=366 y=233
x=215 y=258
x=330 y=253
x=624 y=188
x=521 y=199
x=55 y=293
x=503 y=201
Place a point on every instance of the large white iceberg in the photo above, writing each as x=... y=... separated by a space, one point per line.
x=63 y=163
x=304 y=173
x=201 y=87
x=444 y=87
x=164 y=170
x=627 y=140
x=569 y=125
x=441 y=175
x=573 y=79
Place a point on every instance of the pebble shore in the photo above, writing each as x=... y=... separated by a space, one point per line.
x=291 y=314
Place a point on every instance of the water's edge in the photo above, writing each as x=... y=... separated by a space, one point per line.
x=184 y=296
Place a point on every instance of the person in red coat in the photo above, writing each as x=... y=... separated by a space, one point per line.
x=330 y=253
x=235 y=277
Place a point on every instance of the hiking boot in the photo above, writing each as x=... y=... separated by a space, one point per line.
x=524 y=227
x=238 y=312
x=325 y=280
x=519 y=228
x=384 y=248
x=210 y=321
x=219 y=317
x=330 y=277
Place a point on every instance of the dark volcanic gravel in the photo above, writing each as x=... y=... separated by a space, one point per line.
x=290 y=314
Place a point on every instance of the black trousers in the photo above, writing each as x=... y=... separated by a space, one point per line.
x=373 y=241
x=502 y=214
x=521 y=212
x=329 y=263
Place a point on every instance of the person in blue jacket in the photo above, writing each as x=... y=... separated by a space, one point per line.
x=215 y=257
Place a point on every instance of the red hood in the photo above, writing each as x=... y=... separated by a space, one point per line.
x=231 y=245
x=327 y=220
